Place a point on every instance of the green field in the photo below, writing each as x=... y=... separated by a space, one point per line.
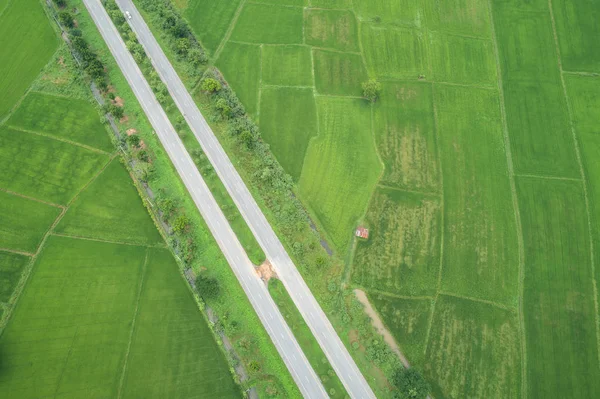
x=87 y=317
x=286 y=66
x=27 y=45
x=403 y=253
x=210 y=19
x=240 y=63
x=476 y=172
x=11 y=268
x=62 y=117
x=45 y=168
x=559 y=289
x=23 y=222
x=473 y=351
x=341 y=163
x=110 y=209
x=306 y=340
x=288 y=121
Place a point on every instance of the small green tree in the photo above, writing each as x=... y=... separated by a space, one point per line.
x=247 y=138
x=371 y=89
x=211 y=85
x=181 y=224
x=208 y=287
x=182 y=46
x=66 y=19
x=410 y=384
x=133 y=140
x=223 y=107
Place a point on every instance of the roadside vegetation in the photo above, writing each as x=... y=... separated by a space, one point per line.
x=245 y=340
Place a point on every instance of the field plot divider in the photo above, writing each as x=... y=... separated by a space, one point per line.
x=517 y=213
x=53 y=137
x=225 y=39
x=135 y=313
x=442 y=220
x=583 y=177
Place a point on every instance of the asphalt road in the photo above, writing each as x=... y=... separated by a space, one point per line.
x=300 y=369
x=336 y=352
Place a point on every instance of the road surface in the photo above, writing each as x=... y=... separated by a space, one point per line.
x=307 y=380
x=339 y=357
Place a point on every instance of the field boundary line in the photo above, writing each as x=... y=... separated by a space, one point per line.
x=407 y=190
x=333 y=50
x=228 y=32
x=375 y=291
x=135 y=313
x=442 y=219
x=32 y=198
x=466 y=85
x=62 y=373
x=5 y=8
x=49 y=136
x=260 y=85
x=100 y=171
x=274 y=4
x=268 y=44
x=447 y=33
x=16 y=251
x=106 y=241
x=474 y=299
x=530 y=176
x=515 y=200
x=338 y=96
x=268 y=86
x=582 y=73
x=583 y=177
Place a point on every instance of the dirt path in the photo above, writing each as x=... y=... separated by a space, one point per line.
x=378 y=324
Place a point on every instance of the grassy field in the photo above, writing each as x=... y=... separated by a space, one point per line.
x=403 y=253
x=473 y=351
x=286 y=66
x=172 y=353
x=404 y=129
x=341 y=163
x=110 y=209
x=241 y=64
x=62 y=117
x=11 y=268
x=288 y=121
x=306 y=340
x=489 y=110
x=88 y=316
x=480 y=237
x=23 y=222
x=27 y=45
x=45 y=168
x=210 y=19
x=559 y=289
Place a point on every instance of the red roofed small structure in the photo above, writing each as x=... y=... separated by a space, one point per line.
x=362 y=232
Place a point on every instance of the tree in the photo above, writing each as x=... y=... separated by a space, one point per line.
x=60 y=3
x=133 y=140
x=197 y=57
x=182 y=46
x=211 y=85
x=116 y=111
x=247 y=138
x=411 y=384
x=223 y=107
x=371 y=89
x=208 y=287
x=66 y=19
x=181 y=224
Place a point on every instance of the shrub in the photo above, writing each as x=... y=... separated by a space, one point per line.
x=410 y=384
x=208 y=287
x=66 y=19
x=181 y=224
x=371 y=89
x=211 y=85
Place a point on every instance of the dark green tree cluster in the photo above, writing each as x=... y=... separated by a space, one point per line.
x=208 y=287
x=180 y=36
x=410 y=384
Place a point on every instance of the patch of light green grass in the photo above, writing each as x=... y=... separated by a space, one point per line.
x=11 y=268
x=269 y=24
x=67 y=118
x=288 y=120
x=23 y=222
x=45 y=168
x=341 y=167
x=110 y=209
x=339 y=73
x=333 y=29
x=28 y=42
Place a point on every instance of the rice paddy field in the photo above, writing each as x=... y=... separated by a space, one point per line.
x=92 y=303
x=475 y=171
